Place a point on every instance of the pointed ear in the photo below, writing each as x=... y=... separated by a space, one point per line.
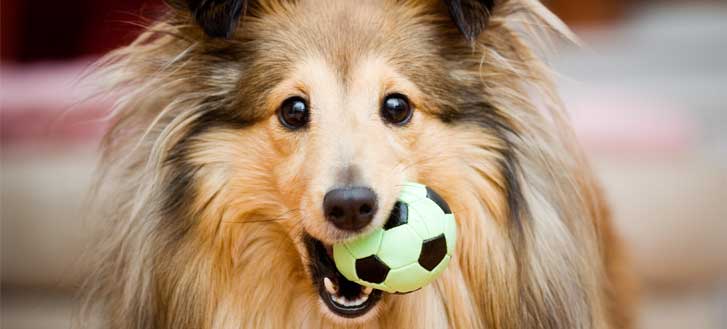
x=218 y=18
x=470 y=16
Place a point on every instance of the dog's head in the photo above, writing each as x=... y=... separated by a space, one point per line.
x=279 y=128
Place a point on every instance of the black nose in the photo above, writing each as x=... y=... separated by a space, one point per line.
x=350 y=208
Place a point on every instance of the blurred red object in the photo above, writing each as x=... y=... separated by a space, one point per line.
x=55 y=30
x=42 y=102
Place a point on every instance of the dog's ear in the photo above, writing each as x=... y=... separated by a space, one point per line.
x=470 y=16
x=218 y=18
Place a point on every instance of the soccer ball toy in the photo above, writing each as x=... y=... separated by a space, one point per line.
x=410 y=251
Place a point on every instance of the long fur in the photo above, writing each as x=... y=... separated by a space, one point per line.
x=204 y=223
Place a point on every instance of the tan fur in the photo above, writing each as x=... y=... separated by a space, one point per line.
x=230 y=255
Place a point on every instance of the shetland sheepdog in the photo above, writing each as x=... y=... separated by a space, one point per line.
x=237 y=120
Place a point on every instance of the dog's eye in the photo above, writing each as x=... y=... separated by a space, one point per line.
x=294 y=114
x=396 y=109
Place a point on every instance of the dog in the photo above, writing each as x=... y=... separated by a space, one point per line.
x=238 y=119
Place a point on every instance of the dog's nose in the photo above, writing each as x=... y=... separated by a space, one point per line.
x=350 y=208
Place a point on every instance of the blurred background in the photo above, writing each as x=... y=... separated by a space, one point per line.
x=646 y=93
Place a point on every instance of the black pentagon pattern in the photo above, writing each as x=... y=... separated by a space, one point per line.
x=438 y=200
x=399 y=216
x=371 y=269
x=433 y=251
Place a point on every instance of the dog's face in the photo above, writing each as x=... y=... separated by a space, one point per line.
x=342 y=101
x=342 y=123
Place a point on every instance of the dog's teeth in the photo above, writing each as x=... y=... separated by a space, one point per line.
x=367 y=290
x=339 y=300
x=330 y=287
x=359 y=301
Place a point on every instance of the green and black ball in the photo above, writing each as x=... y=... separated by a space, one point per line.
x=410 y=251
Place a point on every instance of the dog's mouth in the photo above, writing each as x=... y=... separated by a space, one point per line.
x=343 y=297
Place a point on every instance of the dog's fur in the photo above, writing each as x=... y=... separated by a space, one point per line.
x=208 y=196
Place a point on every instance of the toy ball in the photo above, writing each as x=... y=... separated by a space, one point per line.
x=410 y=251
